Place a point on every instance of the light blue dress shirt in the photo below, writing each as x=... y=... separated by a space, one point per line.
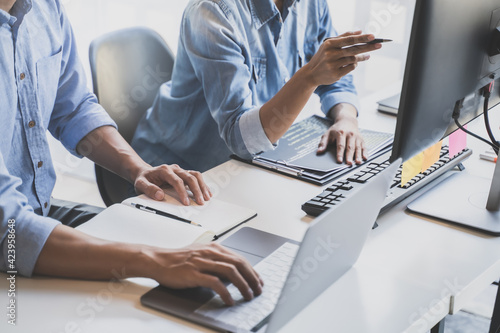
x=233 y=56
x=43 y=87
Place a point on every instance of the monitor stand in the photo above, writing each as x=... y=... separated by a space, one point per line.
x=463 y=199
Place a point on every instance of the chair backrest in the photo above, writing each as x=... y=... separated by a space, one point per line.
x=128 y=66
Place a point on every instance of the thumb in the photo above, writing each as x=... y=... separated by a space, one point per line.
x=323 y=143
x=151 y=190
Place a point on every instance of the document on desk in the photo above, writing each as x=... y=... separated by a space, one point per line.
x=296 y=152
x=125 y=222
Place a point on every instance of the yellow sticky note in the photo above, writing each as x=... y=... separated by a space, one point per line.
x=411 y=168
x=431 y=156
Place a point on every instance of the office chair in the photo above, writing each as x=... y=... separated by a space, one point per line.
x=128 y=66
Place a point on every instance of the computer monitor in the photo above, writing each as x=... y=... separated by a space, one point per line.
x=454 y=53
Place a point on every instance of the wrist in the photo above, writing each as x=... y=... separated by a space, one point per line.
x=343 y=111
x=135 y=168
x=307 y=77
x=142 y=262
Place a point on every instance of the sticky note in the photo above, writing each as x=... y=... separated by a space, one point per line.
x=431 y=155
x=457 y=142
x=411 y=168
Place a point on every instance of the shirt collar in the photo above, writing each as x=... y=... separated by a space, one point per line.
x=264 y=10
x=6 y=18
x=17 y=13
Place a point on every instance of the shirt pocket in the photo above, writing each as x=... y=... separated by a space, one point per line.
x=258 y=69
x=48 y=72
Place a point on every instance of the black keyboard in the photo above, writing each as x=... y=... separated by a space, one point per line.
x=335 y=193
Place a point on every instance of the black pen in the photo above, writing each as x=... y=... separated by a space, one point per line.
x=159 y=212
x=375 y=41
x=379 y=40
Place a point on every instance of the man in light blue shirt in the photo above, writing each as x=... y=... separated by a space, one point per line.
x=42 y=88
x=244 y=71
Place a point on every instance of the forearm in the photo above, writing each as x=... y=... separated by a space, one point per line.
x=73 y=254
x=279 y=113
x=106 y=147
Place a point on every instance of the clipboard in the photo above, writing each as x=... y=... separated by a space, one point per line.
x=296 y=155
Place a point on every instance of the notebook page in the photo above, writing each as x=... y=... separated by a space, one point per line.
x=130 y=225
x=215 y=215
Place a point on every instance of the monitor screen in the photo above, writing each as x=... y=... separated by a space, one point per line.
x=449 y=60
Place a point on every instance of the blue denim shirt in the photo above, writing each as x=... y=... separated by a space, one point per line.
x=233 y=56
x=42 y=87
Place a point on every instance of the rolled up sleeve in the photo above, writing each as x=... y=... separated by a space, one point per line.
x=29 y=231
x=213 y=46
x=253 y=134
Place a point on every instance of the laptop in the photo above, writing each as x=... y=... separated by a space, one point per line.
x=294 y=273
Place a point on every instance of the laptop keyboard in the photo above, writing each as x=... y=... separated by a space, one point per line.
x=247 y=314
x=334 y=194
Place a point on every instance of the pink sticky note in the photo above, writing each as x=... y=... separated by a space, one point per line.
x=457 y=141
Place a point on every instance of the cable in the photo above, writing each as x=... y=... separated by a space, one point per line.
x=487 y=93
x=456 y=114
x=476 y=136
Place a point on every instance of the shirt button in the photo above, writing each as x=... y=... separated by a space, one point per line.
x=45 y=205
x=31 y=124
x=22 y=76
x=40 y=164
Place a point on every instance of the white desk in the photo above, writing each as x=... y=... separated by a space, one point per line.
x=366 y=299
x=411 y=273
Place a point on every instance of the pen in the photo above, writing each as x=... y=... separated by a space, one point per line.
x=376 y=40
x=159 y=212
x=488 y=157
x=380 y=40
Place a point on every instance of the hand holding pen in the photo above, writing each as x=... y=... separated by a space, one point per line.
x=338 y=56
x=375 y=41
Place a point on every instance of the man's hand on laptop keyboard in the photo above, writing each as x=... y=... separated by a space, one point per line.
x=204 y=266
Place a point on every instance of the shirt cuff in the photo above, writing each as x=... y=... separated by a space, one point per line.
x=253 y=134
x=82 y=124
x=32 y=232
x=331 y=100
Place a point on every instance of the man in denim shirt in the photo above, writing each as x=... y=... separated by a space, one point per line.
x=244 y=71
x=42 y=88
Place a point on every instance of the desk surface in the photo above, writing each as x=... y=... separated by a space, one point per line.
x=411 y=273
